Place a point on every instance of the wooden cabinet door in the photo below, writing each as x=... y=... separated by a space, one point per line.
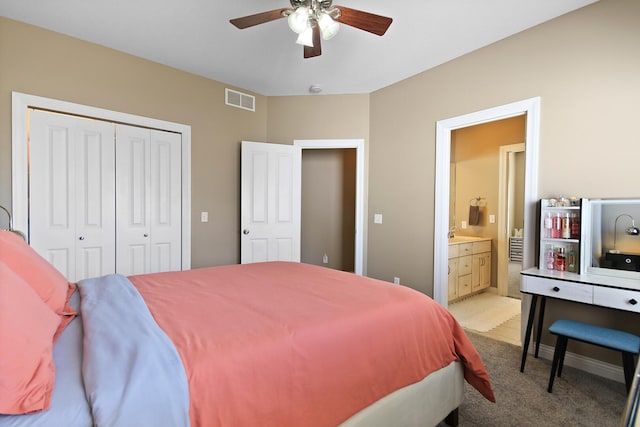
x=481 y=271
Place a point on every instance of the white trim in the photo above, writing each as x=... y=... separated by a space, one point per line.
x=20 y=102
x=358 y=144
x=530 y=107
x=587 y=364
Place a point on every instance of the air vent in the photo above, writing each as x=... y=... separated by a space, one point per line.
x=240 y=100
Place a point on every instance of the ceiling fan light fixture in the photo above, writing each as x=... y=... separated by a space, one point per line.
x=306 y=37
x=299 y=20
x=328 y=27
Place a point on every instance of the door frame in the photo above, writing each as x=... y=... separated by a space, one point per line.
x=358 y=144
x=503 y=208
x=21 y=102
x=530 y=107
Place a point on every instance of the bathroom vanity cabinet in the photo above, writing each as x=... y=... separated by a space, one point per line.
x=469 y=266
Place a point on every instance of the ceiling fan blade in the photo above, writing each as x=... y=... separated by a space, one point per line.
x=258 y=18
x=366 y=21
x=316 y=50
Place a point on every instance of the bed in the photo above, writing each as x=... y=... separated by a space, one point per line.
x=269 y=344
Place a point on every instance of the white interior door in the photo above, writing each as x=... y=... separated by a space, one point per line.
x=72 y=222
x=271 y=176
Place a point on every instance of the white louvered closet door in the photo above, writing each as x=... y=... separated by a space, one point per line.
x=148 y=200
x=71 y=187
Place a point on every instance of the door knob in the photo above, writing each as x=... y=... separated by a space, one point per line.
x=81 y=238
x=245 y=231
x=146 y=235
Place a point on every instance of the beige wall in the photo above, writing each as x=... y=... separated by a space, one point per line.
x=48 y=64
x=328 y=207
x=43 y=63
x=584 y=66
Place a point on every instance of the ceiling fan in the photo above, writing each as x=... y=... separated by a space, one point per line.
x=313 y=20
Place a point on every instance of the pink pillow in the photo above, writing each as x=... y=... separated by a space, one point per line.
x=43 y=277
x=27 y=327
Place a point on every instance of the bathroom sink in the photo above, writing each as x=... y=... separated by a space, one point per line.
x=464 y=239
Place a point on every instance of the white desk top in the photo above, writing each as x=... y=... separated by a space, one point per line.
x=590 y=279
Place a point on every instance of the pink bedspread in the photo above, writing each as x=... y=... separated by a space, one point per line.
x=288 y=344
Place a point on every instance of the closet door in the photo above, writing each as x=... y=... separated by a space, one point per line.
x=148 y=200
x=71 y=203
x=166 y=201
x=132 y=200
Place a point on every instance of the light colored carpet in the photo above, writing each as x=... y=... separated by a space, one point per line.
x=578 y=398
x=485 y=311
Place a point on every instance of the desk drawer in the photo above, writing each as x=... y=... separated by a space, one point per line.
x=558 y=289
x=622 y=299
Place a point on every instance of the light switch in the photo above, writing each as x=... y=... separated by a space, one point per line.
x=204 y=216
x=492 y=219
x=377 y=218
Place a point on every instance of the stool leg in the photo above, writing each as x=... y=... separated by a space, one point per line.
x=557 y=354
x=627 y=365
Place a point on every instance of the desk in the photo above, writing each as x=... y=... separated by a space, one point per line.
x=604 y=291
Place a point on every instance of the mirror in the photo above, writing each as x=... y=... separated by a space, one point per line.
x=611 y=237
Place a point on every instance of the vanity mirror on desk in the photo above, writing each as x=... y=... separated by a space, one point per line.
x=608 y=249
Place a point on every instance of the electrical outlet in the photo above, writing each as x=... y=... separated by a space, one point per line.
x=463 y=224
x=377 y=218
x=492 y=219
x=204 y=216
x=396 y=280
x=325 y=259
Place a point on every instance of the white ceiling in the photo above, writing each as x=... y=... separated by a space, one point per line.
x=196 y=36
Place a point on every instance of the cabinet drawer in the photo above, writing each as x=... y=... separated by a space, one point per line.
x=465 y=249
x=465 y=264
x=483 y=246
x=558 y=289
x=464 y=285
x=453 y=251
x=622 y=299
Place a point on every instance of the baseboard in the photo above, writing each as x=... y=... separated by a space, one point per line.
x=587 y=364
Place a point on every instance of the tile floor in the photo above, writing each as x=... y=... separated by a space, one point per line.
x=509 y=331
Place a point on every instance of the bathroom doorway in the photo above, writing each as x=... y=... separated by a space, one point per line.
x=488 y=175
x=531 y=109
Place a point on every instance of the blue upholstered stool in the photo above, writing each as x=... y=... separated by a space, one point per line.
x=624 y=342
